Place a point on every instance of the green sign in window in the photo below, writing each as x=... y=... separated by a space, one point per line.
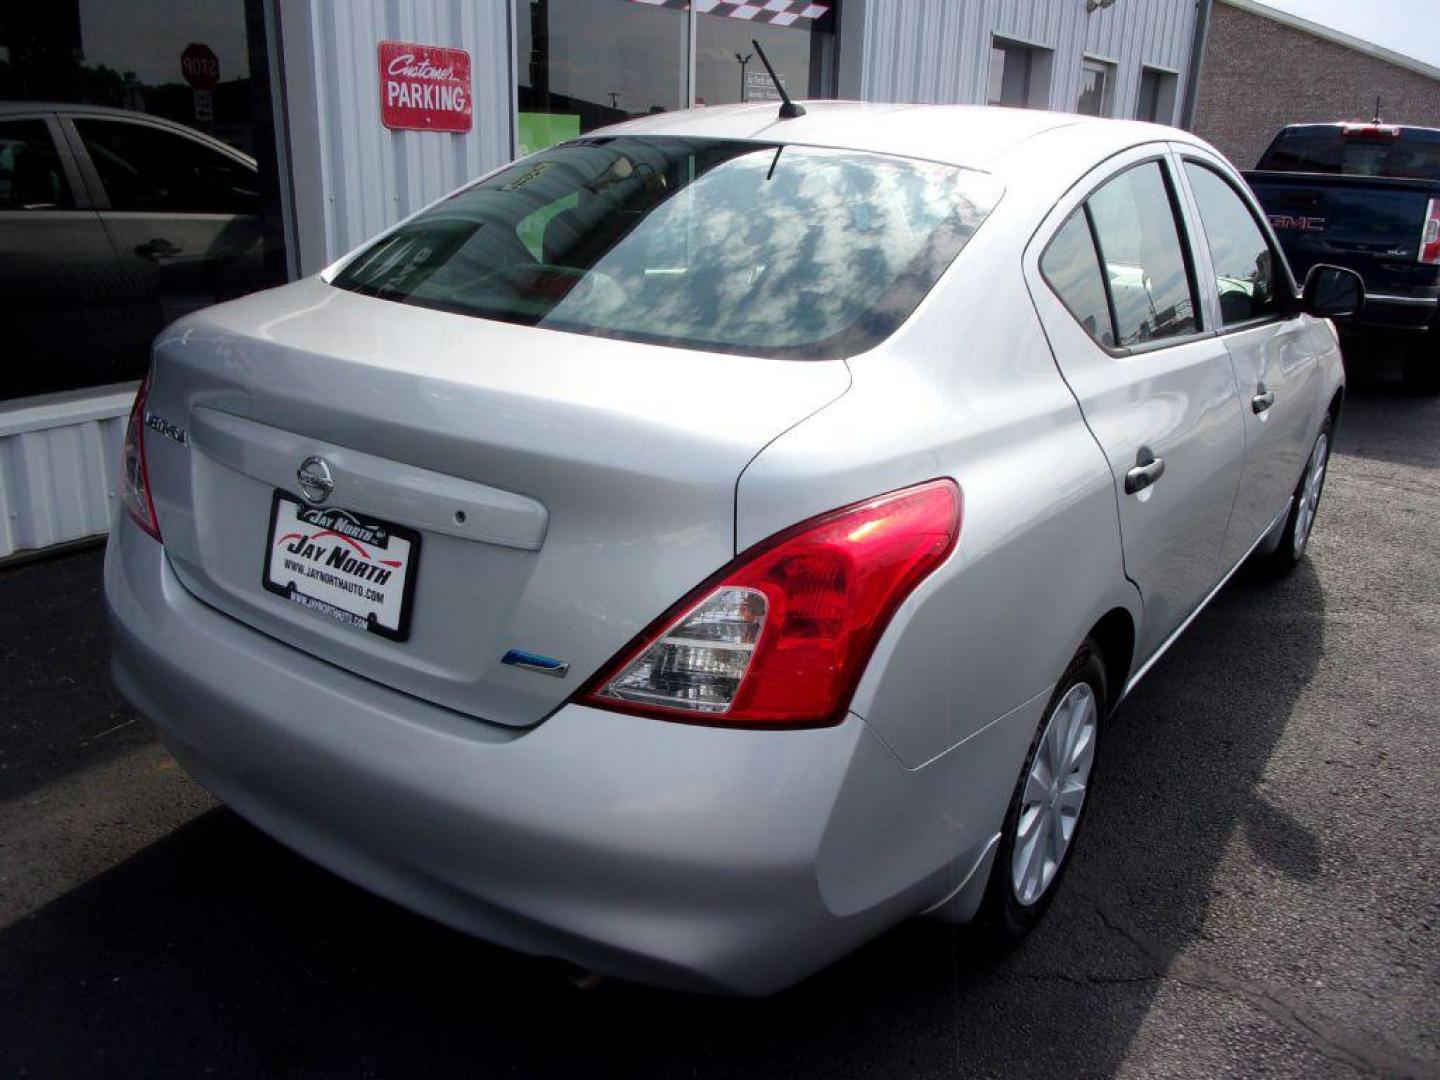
x=539 y=130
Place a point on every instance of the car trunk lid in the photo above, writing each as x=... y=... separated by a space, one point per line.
x=562 y=490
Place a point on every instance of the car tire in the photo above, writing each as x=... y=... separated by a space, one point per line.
x=1421 y=371
x=1025 y=875
x=1300 y=525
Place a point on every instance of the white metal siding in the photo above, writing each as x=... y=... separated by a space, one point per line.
x=939 y=50
x=353 y=176
x=59 y=457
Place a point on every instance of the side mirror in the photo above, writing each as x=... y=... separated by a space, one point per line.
x=1332 y=292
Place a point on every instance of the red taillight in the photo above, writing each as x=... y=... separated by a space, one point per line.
x=779 y=637
x=134 y=478
x=1430 y=234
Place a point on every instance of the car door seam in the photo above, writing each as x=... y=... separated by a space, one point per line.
x=1085 y=420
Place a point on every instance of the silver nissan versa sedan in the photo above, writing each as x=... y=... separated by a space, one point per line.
x=697 y=547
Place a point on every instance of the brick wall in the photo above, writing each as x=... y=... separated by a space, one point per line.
x=1259 y=75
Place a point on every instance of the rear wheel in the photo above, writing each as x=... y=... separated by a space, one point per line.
x=1306 y=505
x=1048 y=805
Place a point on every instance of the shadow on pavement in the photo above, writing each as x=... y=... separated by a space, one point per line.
x=1382 y=420
x=59 y=711
x=217 y=952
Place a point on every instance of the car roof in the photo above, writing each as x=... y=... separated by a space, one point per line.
x=8 y=108
x=970 y=136
x=27 y=108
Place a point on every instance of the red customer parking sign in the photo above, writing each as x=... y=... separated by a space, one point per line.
x=424 y=87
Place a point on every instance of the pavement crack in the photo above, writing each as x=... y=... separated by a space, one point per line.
x=1359 y=1050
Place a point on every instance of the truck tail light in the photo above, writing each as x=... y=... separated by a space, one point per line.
x=1430 y=234
x=134 y=478
x=1373 y=130
x=778 y=638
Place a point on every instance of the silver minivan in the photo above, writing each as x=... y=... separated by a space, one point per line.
x=694 y=548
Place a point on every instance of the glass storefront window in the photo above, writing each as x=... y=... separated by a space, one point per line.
x=582 y=64
x=727 y=69
x=137 y=179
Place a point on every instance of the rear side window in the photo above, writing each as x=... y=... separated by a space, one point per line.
x=1072 y=268
x=1139 y=265
x=722 y=245
x=145 y=168
x=1246 y=269
x=1356 y=150
x=31 y=177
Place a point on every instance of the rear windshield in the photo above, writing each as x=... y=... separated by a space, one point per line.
x=710 y=244
x=1405 y=153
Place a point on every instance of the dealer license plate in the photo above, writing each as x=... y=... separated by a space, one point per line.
x=352 y=568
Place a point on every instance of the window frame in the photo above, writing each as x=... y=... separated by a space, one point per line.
x=1109 y=72
x=1288 y=290
x=1167 y=86
x=99 y=198
x=1039 y=70
x=1179 y=209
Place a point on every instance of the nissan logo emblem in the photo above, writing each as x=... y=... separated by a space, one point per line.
x=316 y=483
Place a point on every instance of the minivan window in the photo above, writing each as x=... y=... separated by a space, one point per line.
x=728 y=246
x=1145 y=267
x=1072 y=269
x=1246 y=269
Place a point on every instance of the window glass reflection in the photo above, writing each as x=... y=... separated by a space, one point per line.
x=1072 y=268
x=728 y=70
x=132 y=189
x=1245 y=266
x=582 y=64
x=1140 y=244
x=729 y=246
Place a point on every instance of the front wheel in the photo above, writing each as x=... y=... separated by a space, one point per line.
x=1048 y=806
x=1301 y=523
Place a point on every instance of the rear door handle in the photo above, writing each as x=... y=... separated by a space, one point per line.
x=1263 y=400
x=1148 y=469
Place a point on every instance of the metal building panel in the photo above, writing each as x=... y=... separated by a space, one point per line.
x=372 y=176
x=939 y=50
x=59 y=457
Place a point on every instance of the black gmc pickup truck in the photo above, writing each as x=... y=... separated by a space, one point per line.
x=1365 y=196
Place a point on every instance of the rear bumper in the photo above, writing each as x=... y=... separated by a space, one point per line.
x=687 y=856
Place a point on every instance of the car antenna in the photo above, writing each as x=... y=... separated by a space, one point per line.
x=788 y=109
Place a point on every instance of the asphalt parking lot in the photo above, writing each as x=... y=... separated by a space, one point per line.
x=1258 y=892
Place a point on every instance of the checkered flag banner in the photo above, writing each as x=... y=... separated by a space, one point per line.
x=774 y=12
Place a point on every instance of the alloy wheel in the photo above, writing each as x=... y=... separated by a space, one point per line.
x=1310 y=490
x=1054 y=793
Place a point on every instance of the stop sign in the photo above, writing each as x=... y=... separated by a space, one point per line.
x=200 y=66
